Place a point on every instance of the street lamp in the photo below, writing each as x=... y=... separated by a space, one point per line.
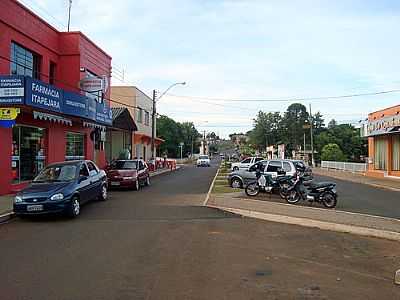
x=153 y=121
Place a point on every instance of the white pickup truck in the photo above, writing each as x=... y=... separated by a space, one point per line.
x=246 y=163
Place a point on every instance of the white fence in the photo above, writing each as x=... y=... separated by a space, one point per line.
x=344 y=166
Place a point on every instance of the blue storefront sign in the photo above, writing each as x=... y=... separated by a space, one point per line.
x=75 y=104
x=12 y=89
x=103 y=113
x=43 y=95
x=32 y=92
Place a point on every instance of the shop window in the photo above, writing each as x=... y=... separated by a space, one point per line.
x=147 y=118
x=380 y=153
x=28 y=152
x=24 y=62
x=74 y=146
x=52 y=73
x=396 y=152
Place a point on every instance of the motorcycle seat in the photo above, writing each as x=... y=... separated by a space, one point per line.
x=317 y=185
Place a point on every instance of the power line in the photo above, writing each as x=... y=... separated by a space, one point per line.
x=291 y=99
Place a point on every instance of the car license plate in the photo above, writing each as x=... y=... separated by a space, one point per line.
x=34 y=207
x=115 y=183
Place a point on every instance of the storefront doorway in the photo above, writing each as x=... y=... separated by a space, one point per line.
x=28 y=152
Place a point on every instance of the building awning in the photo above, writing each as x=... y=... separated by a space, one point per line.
x=122 y=119
x=51 y=117
x=141 y=138
x=94 y=125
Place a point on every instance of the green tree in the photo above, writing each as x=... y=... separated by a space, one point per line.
x=189 y=135
x=292 y=123
x=169 y=131
x=332 y=152
x=347 y=137
x=266 y=131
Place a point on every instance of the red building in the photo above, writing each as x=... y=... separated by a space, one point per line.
x=40 y=74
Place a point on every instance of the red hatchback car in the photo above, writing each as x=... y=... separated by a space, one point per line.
x=128 y=173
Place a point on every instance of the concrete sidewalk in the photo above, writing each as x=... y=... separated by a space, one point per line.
x=386 y=183
x=6 y=202
x=308 y=216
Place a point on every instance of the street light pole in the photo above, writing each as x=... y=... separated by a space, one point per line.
x=153 y=120
x=311 y=138
x=153 y=127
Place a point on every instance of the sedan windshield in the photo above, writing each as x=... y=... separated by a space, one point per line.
x=124 y=165
x=203 y=157
x=57 y=173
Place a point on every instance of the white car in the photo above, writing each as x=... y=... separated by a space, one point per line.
x=246 y=163
x=203 y=160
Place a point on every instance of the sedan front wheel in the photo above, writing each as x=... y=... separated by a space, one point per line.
x=103 y=193
x=74 y=208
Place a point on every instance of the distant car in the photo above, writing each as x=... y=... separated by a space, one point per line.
x=240 y=178
x=131 y=173
x=203 y=160
x=222 y=156
x=62 y=187
x=246 y=163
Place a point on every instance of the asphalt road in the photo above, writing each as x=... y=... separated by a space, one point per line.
x=159 y=243
x=362 y=198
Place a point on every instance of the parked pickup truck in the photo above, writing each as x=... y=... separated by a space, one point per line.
x=246 y=163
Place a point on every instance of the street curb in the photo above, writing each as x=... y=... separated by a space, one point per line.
x=363 y=231
x=6 y=217
x=210 y=189
x=324 y=209
x=166 y=171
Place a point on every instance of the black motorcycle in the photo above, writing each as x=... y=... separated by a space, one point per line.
x=321 y=192
x=280 y=184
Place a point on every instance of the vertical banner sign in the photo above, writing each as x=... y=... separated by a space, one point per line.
x=104 y=113
x=43 y=95
x=12 y=89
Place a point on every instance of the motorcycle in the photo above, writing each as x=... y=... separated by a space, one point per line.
x=321 y=192
x=268 y=184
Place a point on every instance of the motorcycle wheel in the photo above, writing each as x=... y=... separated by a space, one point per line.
x=292 y=197
x=329 y=200
x=252 y=189
x=283 y=191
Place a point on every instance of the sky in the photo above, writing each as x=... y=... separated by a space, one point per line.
x=245 y=50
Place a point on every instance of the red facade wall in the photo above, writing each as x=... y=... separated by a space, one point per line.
x=70 y=51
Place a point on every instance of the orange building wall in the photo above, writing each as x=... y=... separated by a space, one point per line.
x=387 y=112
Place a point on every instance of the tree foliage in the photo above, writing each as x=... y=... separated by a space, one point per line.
x=288 y=128
x=332 y=152
x=173 y=133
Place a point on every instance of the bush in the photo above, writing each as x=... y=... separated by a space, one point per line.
x=332 y=152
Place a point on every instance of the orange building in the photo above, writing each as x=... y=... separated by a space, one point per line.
x=383 y=133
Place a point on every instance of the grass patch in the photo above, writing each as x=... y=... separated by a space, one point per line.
x=221 y=189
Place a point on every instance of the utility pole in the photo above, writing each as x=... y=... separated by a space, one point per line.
x=311 y=138
x=192 y=146
x=153 y=124
x=69 y=13
x=304 y=149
